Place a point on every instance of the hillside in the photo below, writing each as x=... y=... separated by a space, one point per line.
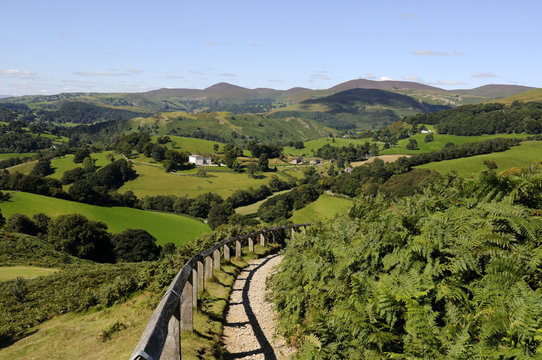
x=531 y=95
x=357 y=108
x=496 y=91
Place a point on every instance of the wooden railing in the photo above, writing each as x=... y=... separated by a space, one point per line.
x=174 y=314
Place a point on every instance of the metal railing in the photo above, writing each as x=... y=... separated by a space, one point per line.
x=174 y=314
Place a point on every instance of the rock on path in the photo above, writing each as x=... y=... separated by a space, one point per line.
x=249 y=332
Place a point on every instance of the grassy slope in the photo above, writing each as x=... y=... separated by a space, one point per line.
x=532 y=95
x=440 y=141
x=53 y=336
x=154 y=181
x=525 y=154
x=163 y=226
x=191 y=145
x=324 y=208
x=318 y=143
x=253 y=208
x=27 y=272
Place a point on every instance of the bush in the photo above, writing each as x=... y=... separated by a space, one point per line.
x=135 y=245
x=19 y=289
x=20 y=223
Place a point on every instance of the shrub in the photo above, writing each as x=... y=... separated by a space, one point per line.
x=135 y=245
x=20 y=223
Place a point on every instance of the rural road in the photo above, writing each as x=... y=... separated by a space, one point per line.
x=249 y=332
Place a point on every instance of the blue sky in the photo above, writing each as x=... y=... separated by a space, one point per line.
x=53 y=46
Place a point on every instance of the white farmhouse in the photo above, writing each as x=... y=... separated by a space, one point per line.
x=199 y=160
x=425 y=131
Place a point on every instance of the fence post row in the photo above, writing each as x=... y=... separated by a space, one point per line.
x=175 y=313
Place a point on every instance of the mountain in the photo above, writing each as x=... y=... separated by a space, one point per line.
x=4 y=96
x=381 y=85
x=496 y=91
x=357 y=108
x=531 y=95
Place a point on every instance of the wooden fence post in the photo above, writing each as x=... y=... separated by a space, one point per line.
x=208 y=268
x=262 y=240
x=251 y=245
x=304 y=229
x=293 y=233
x=227 y=252
x=201 y=279
x=172 y=346
x=216 y=259
x=187 y=312
x=238 y=249
x=195 y=280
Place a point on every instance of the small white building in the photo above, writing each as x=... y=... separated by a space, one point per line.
x=296 y=161
x=199 y=160
x=425 y=131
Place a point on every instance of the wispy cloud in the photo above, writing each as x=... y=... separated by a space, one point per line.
x=483 y=75
x=436 y=53
x=276 y=81
x=212 y=43
x=228 y=74
x=134 y=70
x=175 y=77
x=320 y=75
x=410 y=15
x=100 y=73
x=82 y=82
x=447 y=82
x=197 y=72
x=413 y=78
x=370 y=76
x=385 y=78
x=18 y=74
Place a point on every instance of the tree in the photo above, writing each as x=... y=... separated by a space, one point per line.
x=331 y=171
x=215 y=148
x=42 y=168
x=80 y=237
x=429 y=137
x=299 y=144
x=263 y=162
x=42 y=222
x=88 y=165
x=412 y=144
x=19 y=223
x=490 y=164
x=80 y=155
x=219 y=214
x=135 y=245
x=252 y=169
x=110 y=157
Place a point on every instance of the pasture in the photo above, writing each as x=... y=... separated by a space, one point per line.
x=27 y=272
x=165 y=227
x=313 y=145
x=324 y=208
x=518 y=156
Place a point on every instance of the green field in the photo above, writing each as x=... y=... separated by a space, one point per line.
x=60 y=165
x=324 y=208
x=191 y=145
x=27 y=272
x=318 y=143
x=165 y=227
x=518 y=156
x=13 y=155
x=154 y=181
x=440 y=141
x=253 y=208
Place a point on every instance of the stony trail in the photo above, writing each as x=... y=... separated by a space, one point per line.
x=249 y=332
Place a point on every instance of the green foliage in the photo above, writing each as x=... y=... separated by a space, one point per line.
x=453 y=272
x=134 y=246
x=20 y=223
x=42 y=168
x=19 y=289
x=78 y=236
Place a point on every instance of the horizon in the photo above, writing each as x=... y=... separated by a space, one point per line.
x=107 y=47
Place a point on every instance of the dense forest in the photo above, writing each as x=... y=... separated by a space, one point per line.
x=482 y=119
x=453 y=272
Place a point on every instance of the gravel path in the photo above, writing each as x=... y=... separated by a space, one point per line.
x=249 y=332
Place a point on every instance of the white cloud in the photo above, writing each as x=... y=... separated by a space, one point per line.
x=413 y=78
x=134 y=70
x=275 y=81
x=19 y=74
x=197 y=72
x=447 y=82
x=212 y=43
x=483 y=75
x=410 y=15
x=370 y=76
x=320 y=75
x=175 y=77
x=228 y=74
x=385 y=78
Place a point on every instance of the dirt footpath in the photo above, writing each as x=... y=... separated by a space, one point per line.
x=249 y=332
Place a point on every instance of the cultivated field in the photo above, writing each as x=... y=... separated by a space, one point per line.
x=27 y=272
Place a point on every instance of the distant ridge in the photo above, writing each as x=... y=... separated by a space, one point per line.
x=381 y=85
x=495 y=90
